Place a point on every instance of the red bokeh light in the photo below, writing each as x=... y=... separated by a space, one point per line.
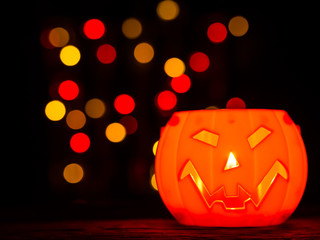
x=79 y=142
x=68 y=90
x=166 y=100
x=106 y=53
x=181 y=84
x=124 y=104
x=236 y=103
x=130 y=123
x=199 y=62
x=217 y=32
x=94 y=29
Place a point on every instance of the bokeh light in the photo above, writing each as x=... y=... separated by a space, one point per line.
x=124 y=104
x=80 y=142
x=238 y=26
x=131 y=28
x=73 y=173
x=199 y=62
x=174 y=67
x=181 y=84
x=95 y=108
x=217 y=32
x=167 y=10
x=153 y=182
x=143 y=52
x=58 y=37
x=115 y=132
x=70 y=55
x=94 y=29
x=68 y=90
x=130 y=123
x=166 y=100
x=155 y=147
x=106 y=53
x=236 y=103
x=44 y=39
x=76 y=119
x=55 y=110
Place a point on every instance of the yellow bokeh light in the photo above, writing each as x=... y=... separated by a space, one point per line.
x=174 y=67
x=70 y=55
x=168 y=10
x=95 y=108
x=73 y=173
x=76 y=119
x=131 y=28
x=154 y=182
x=154 y=148
x=238 y=26
x=115 y=132
x=58 y=37
x=55 y=110
x=143 y=52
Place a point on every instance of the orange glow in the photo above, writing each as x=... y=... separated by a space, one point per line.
x=95 y=108
x=106 y=54
x=154 y=182
x=58 y=37
x=94 y=29
x=229 y=167
x=76 y=119
x=174 y=67
x=115 y=132
x=79 y=142
x=143 y=52
x=124 y=104
x=131 y=28
x=238 y=26
x=167 y=10
x=73 y=173
x=70 y=55
x=55 y=110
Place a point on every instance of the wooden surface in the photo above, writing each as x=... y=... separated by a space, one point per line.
x=295 y=228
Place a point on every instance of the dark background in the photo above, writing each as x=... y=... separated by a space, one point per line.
x=275 y=65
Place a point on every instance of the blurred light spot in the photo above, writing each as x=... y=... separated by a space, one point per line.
x=44 y=39
x=131 y=28
x=166 y=100
x=106 y=54
x=115 y=132
x=124 y=104
x=55 y=110
x=236 y=103
x=68 y=90
x=70 y=55
x=154 y=182
x=238 y=26
x=95 y=108
x=217 y=32
x=199 y=62
x=174 y=67
x=76 y=119
x=212 y=107
x=80 y=142
x=130 y=123
x=181 y=84
x=143 y=52
x=167 y=10
x=73 y=173
x=58 y=37
x=94 y=29
x=154 y=148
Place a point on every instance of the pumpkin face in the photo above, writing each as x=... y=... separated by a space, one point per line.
x=231 y=167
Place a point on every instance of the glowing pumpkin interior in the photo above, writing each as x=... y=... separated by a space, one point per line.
x=231 y=167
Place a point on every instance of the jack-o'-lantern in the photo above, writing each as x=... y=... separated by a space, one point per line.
x=231 y=167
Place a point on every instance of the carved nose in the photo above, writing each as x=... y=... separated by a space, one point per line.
x=232 y=162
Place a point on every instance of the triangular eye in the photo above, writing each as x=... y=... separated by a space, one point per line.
x=232 y=162
x=207 y=137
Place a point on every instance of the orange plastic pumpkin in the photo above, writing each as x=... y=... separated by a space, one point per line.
x=231 y=167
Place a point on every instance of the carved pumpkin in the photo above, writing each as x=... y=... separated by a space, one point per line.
x=231 y=167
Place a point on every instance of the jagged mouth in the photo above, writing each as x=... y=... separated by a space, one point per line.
x=236 y=202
